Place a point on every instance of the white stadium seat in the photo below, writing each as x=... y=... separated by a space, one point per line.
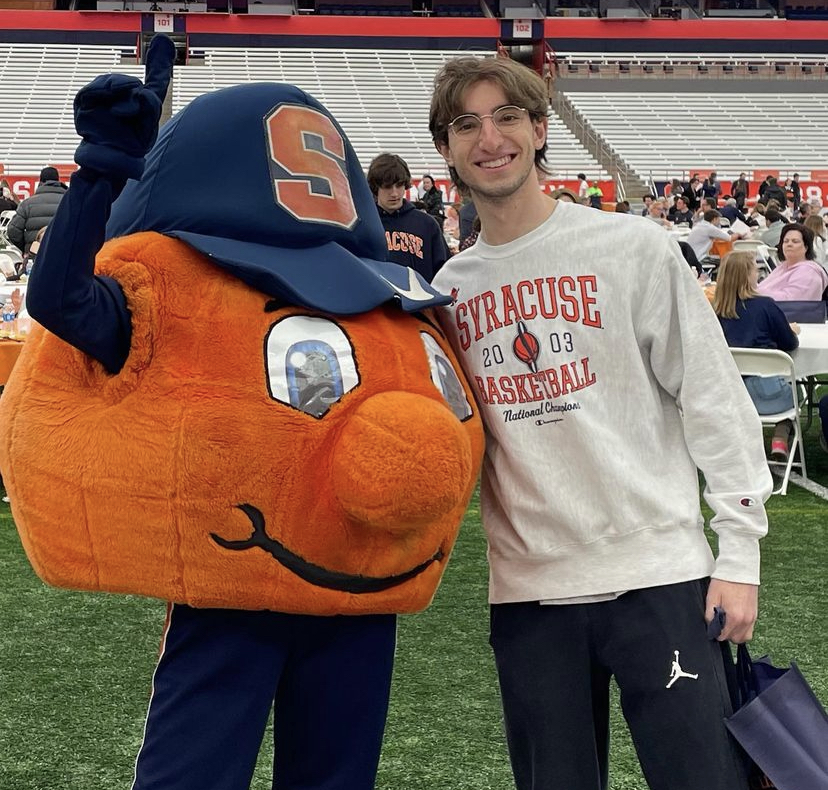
x=380 y=98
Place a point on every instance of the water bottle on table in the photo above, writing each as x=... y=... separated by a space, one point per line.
x=9 y=317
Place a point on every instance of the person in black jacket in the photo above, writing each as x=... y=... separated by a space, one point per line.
x=467 y=214
x=711 y=188
x=691 y=258
x=432 y=200
x=796 y=191
x=693 y=193
x=37 y=211
x=774 y=192
x=414 y=238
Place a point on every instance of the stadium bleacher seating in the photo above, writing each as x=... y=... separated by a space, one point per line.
x=456 y=8
x=37 y=85
x=664 y=134
x=380 y=97
x=608 y=64
x=365 y=7
x=809 y=9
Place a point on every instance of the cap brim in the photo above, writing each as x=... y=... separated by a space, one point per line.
x=329 y=277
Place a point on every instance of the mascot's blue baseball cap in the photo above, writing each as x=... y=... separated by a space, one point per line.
x=262 y=180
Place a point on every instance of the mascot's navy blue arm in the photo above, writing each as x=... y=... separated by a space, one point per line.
x=116 y=117
x=64 y=295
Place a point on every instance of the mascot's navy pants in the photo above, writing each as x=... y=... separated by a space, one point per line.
x=327 y=678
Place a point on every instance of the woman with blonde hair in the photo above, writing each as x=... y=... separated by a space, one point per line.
x=750 y=320
x=816 y=225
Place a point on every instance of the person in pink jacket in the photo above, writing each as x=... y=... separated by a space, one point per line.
x=798 y=276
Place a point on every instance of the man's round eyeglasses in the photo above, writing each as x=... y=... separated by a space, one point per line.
x=506 y=119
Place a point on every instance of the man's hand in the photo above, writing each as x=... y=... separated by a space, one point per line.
x=740 y=603
x=117 y=116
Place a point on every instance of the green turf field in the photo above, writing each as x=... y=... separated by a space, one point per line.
x=75 y=668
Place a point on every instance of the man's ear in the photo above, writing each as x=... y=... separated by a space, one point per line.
x=444 y=151
x=540 y=129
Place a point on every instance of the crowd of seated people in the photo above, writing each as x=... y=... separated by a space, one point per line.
x=795 y=232
x=701 y=213
x=685 y=203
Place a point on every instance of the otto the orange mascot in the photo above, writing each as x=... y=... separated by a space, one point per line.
x=237 y=405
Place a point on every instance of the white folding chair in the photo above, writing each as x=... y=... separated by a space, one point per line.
x=770 y=363
x=748 y=245
x=5 y=219
x=760 y=251
x=764 y=260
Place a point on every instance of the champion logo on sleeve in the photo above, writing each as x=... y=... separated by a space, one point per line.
x=747 y=501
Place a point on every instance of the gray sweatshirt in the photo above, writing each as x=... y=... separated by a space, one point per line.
x=604 y=381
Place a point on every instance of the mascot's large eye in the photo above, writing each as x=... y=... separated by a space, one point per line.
x=445 y=378
x=310 y=364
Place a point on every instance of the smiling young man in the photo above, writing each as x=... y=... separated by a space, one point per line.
x=603 y=387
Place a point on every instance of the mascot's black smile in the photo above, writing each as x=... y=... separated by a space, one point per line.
x=314 y=574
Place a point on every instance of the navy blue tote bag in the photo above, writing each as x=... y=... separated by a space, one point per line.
x=780 y=724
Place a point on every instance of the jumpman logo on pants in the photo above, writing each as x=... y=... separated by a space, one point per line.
x=677 y=672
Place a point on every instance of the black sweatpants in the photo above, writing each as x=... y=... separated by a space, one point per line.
x=555 y=662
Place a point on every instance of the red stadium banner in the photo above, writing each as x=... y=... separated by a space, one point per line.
x=560 y=30
x=24 y=185
x=760 y=175
x=65 y=171
x=815 y=190
x=562 y=33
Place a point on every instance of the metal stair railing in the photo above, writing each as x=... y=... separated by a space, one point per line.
x=627 y=181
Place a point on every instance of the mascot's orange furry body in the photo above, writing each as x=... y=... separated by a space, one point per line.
x=244 y=410
x=145 y=467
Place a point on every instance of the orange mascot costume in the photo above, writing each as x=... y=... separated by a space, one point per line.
x=240 y=408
